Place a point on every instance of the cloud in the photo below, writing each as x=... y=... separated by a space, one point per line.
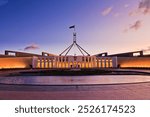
x=3 y=2
x=146 y=50
x=143 y=8
x=125 y=30
x=31 y=47
x=116 y=14
x=136 y=25
x=107 y=11
x=126 y=5
x=134 y=12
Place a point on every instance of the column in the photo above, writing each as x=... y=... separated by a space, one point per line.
x=97 y=60
x=114 y=62
x=61 y=62
x=93 y=59
x=105 y=60
x=65 y=61
x=40 y=62
x=48 y=62
x=68 y=64
x=88 y=61
x=44 y=62
x=52 y=63
x=108 y=62
x=56 y=61
x=34 y=62
x=94 y=62
x=84 y=62
x=101 y=62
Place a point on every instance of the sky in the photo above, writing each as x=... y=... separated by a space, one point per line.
x=112 y=26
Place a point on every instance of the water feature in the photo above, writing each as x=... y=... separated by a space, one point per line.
x=74 y=80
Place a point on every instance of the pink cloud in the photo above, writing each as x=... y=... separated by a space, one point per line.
x=116 y=14
x=31 y=47
x=147 y=49
x=134 y=12
x=107 y=11
x=136 y=25
x=126 y=5
x=143 y=8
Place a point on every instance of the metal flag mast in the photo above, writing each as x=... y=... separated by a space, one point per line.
x=66 y=51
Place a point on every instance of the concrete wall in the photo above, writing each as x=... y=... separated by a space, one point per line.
x=16 y=62
x=134 y=62
x=20 y=54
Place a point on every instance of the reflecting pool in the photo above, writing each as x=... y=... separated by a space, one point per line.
x=74 y=80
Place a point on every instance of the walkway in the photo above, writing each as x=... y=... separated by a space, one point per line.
x=138 y=91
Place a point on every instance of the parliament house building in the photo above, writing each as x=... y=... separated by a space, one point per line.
x=14 y=59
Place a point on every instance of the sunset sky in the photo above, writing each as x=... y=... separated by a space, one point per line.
x=112 y=26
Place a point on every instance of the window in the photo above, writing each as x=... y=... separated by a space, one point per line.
x=82 y=58
x=75 y=58
x=86 y=59
x=12 y=53
x=59 y=59
x=90 y=59
x=67 y=59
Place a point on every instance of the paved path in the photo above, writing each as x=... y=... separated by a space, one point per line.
x=140 y=91
x=134 y=70
x=123 y=91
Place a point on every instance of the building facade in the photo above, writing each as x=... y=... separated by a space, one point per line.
x=13 y=60
x=74 y=62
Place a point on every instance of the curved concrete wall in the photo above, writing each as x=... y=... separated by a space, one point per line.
x=134 y=62
x=15 y=62
x=26 y=62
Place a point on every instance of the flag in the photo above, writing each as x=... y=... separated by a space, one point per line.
x=72 y=26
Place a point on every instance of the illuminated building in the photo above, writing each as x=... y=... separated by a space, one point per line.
x=13 y=59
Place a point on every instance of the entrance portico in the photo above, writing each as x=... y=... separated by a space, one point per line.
x=75 y=62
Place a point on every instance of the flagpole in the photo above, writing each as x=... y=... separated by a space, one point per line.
x=74 y=44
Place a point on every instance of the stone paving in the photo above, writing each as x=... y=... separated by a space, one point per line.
x=138 y=91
